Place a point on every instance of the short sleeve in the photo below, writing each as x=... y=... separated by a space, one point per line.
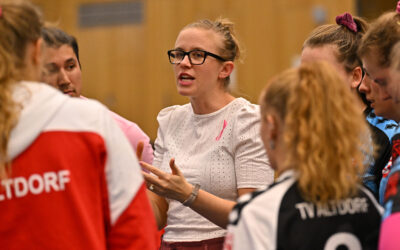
x=245 y=230
x=251 y=163
x=135 y=135
x=163 y=119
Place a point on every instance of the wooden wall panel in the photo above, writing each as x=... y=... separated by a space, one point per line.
x=126 y=67
x=273 y=33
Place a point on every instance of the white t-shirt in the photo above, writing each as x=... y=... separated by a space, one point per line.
x=222 y=151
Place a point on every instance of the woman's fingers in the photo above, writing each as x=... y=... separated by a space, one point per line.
x=154 y=170
x=174 y=168
x=151 y=181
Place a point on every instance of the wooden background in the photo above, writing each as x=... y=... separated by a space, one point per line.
x=126 y=66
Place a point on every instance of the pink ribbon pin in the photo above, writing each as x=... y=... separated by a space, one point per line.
x=222 y=131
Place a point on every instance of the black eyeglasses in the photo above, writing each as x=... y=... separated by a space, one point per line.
x=196 y=56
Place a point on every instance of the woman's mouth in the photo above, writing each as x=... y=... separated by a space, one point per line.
x=185 y=79
x=70 y=93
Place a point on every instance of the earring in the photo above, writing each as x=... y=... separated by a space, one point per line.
x=272 y=144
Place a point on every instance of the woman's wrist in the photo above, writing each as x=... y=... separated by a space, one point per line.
x=193 y=195
x=186 y=191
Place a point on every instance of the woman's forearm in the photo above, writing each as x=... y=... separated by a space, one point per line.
x=214 y=208
x=160 y=208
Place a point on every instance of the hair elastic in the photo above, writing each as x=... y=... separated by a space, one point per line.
x=398 y=7
x=347 y=21
x=1 y=11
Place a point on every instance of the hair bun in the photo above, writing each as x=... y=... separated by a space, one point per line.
x=347 y=21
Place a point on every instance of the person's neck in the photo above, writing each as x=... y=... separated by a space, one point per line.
x=396 y=116
x=30 y=75
x=32 y=68
x=360 y=105
x=211 y=102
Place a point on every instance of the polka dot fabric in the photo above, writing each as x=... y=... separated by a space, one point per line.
x=222 y=151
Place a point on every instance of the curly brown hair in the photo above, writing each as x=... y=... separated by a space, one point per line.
x=325 y=136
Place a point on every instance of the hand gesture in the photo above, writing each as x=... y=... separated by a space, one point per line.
x=173 y=186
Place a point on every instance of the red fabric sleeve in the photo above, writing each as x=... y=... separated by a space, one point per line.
x=136 y=227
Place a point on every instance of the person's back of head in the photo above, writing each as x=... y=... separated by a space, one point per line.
x=345 y=35
x=337 y=44
x=55 y=38
x=20 y=25
x=322 y=130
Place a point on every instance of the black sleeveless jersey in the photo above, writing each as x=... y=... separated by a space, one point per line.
x=279 y=218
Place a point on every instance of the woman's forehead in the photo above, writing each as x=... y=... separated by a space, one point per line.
x=198 y=38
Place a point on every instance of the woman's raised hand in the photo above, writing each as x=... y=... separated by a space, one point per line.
x=169 y=185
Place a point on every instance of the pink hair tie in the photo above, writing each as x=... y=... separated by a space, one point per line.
x=398 y=7
x=347 y=21
x=1 y=11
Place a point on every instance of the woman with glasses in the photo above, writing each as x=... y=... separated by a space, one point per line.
x=208 y=152
x=337 y=44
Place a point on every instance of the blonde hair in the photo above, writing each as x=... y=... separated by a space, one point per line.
x=20 y=23
x=346 y=41
x=323 y=130
x=383 y=34
x=231 y=49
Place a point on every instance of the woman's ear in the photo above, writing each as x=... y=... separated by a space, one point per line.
x=272 y=127
x=356 y=77
x=37 y=54
x=226 y=70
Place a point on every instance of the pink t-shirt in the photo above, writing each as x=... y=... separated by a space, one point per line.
x=134 y=134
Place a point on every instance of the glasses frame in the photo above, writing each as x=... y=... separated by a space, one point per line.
x=187 y=53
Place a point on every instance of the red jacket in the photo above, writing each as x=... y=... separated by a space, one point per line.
x=75 y=182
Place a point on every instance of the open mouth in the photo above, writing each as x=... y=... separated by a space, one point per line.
x=185 y=79
x=69 y=92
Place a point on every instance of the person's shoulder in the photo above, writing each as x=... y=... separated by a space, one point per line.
x=366 y=193
x=244 y=108
x=387 y=126
x=268 y=198
x=43 y=93
x=245 y=115
x=83 y=106
x=243 y=104
x=122 y=120
x=176 y=110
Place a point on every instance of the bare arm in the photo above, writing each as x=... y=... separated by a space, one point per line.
x=215 y=209
x=175 y=186
x=160 y=208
